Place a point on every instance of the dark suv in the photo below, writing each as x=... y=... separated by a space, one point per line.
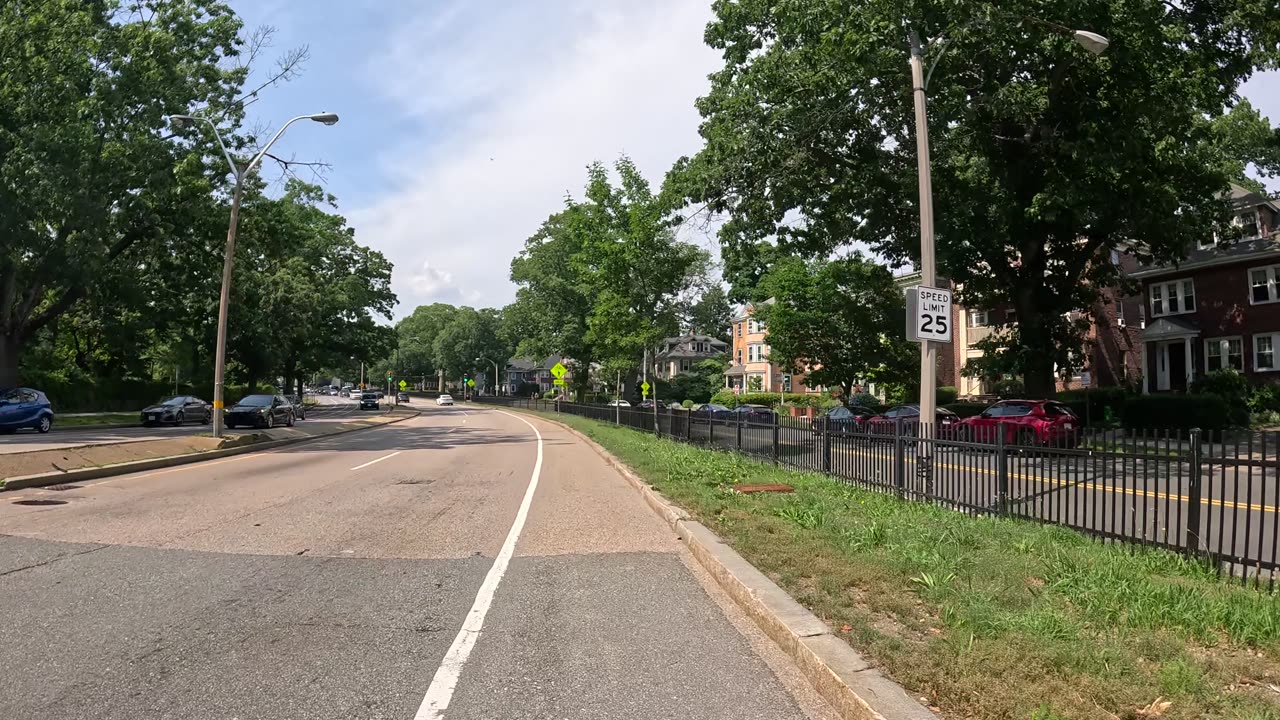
x=369 y=400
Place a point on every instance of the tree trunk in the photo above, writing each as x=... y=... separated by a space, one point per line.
x=1037 y=366
x=9 y=346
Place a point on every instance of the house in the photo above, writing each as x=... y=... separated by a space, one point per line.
x=751 y=370
x=525 y=370
x=1219 y=307
x=679 y=354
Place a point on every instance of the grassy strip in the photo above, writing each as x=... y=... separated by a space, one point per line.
x=987 y=618
x=90 y=420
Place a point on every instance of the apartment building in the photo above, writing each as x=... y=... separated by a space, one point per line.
x=750 y=369
x=1219 y=307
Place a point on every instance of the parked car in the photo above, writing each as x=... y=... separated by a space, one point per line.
x=355 y=393
x=444 y=399
x=299 y=407
x=24 y=408
x=333 y=392
x=1024 y=422
x=177 y=410
x=709 y=412
x=402 y=397
x=619 y=403
x=369 y=401
x=887 y=422
x=265 y=411
x=345 y=392
x=754 y=414
x=852 y=418
x=648 y=405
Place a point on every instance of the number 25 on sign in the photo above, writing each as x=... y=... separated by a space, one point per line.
x=928 y=314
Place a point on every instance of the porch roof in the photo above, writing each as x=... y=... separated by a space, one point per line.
x=736 y=370
x=1170 y=328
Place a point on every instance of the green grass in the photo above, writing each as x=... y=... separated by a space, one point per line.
x=91 y=420
x=988 y=618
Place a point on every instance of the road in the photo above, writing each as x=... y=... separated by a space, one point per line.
x=463 y=564
x=330 y=409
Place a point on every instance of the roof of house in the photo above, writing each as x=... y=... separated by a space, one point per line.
x=744 y=312
x=1197 y=257
x=683 y=346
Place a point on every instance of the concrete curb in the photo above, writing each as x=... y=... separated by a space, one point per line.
x=57 y=478
x=90 y=428
x=845 y=679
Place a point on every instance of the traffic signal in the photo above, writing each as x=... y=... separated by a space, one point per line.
x=639 y=390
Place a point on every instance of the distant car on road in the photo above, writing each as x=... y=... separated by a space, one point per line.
x=402 y=397
x=852 y=418
x=177 y=410
x=299 y=407
x=369 y=401
x=24 y=408
x=444 y=400
x=333 y=391
x=754 y=413
x=648 y=405
x=1023 y=422
x=887 y=422
x=265 y=411
x=619 y=403
x=710 y=411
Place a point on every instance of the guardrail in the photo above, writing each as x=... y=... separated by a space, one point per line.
x=1189 y=491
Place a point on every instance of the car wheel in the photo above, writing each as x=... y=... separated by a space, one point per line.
x=208 y=418
x=289 y=420
x=1027 y=437
x=46 y=423
x=180 y=418
x=231 y=426
x=271 y=420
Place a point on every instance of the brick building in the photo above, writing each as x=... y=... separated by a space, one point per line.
x=750 y=369
x=1218 y=308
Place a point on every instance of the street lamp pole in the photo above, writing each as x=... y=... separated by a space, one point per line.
x=495 y=374
x=228 y=259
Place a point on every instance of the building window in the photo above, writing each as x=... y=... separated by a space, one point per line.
x=1173 y=297
x=786 y=382
x=1222 y=353
x=977 y=318
x=1262 y=285
x=755 y=352
x=739 y=326
x=1264 y=357
x=739 y=356
x=1248 y=224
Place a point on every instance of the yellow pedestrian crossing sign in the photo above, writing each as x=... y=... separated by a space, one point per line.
x=558 y=381
x=403 y=384
x=644 y=388
x=559 y=370
x=471 y=383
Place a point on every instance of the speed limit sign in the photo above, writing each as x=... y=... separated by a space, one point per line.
x=928 y=314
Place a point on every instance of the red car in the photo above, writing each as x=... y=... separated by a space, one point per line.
x=886 y=423
x=1024 y=422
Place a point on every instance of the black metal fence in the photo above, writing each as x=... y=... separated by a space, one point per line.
x=1199 y=493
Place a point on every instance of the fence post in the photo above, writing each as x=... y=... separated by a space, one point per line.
x=688 y=425
x=826 y=447
x=899 y=458
x=777 y=449
x=1196 y=462
x=711 y=428
x=1002 y=472
x=738 y=429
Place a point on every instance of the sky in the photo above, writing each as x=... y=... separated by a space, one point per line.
x=464 y=123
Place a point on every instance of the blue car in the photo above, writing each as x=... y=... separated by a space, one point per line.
x=24 y=408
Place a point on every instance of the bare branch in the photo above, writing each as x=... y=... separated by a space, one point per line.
x=318 y=168
x=258 y=41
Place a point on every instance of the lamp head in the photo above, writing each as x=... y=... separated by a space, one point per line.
x=325 y=118
x=181 y=121
x=1091 y=41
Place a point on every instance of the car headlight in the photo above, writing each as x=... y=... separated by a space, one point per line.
x=262 y=411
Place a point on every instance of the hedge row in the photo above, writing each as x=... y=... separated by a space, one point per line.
x=124 y=395
x=1177 y=412
x=729 y=399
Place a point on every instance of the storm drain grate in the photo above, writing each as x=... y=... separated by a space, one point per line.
x=63 y=487
x=39 y=502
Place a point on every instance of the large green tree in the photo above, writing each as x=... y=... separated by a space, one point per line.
x=710 y=313
x=841 y=321
x=1045 y=158
x=87 y=179
x=469 y=343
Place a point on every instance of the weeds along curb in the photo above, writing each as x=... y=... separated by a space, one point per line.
x=845 y=679
x=94 y=473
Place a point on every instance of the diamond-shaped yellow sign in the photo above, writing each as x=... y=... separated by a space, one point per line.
x=644 y=389
x=559 y=370
x=403 y=384
x=471 y=383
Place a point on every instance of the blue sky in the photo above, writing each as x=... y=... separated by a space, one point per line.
x=464 y=121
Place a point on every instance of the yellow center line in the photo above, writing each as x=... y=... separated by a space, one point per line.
x=1230 y=504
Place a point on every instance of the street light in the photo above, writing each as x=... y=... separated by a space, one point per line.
x=228 y=260
x=1094 y=43
x=495 y=373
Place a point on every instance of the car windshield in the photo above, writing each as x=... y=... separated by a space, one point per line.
x=256 y=401
x=173 y=401
x=446 y=397
x=840 y=413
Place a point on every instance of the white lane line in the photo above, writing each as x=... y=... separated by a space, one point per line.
x=384 y=457
x=440 y=692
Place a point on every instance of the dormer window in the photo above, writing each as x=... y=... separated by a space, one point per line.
x=1248 y=224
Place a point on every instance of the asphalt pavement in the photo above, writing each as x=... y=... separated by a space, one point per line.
x=329 y=408
x=466 y=563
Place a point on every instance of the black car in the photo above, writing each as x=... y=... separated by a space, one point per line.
x=369 y=400
x=648 y=405
x=260 y=411
x=909 y=417
x=299 y=407
x=177 y=410
x=710 y=411
x=402 y=397
x=842 y=419
x=753 y=413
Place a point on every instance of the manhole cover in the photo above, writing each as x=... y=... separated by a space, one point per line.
x=63 y=487
x=747 y=489
x=39 y=502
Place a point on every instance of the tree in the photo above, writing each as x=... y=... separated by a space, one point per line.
x=699 y=383
x=1045 y=158
x=469 y=335
x=417 y=335
x=711 y=313
x=86 y=170
x=840 y=321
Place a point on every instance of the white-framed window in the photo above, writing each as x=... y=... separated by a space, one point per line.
x=1119 y=312
x=1207 y=242
x=977 y=318
x=755 y=352
x=1172 y=297
x=1248 y=224
x=1226 y=352
x=1262 y=285
x=753 y=326
x=739 y=356
x=739 y=328
x=1264 y=352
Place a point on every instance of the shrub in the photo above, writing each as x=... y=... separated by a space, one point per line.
x=727 y=398
x=1264 y=398
x=724 y=397
x=686 y=404
x=1230 y=385
x=550 y=394
x=1099 y=406
x=966 y=409
x=947 y=394
x=1177 y=412
x=865 y=400
x=1009 y=388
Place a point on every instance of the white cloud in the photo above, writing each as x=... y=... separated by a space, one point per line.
x=513 y=102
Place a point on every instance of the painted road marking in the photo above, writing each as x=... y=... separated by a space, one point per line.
x=440 y=692
x=384 y=457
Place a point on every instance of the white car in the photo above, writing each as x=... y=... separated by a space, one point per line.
x=357 y=394
x=444 y=400
x=619 y=403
